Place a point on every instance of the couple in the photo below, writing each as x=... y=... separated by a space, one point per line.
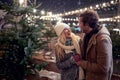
x=87 y=59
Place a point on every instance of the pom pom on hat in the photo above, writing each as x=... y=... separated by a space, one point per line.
x=60 y=27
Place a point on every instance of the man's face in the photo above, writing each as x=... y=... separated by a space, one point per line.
x=83 y=27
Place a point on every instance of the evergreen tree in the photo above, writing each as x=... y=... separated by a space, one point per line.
x=21 y=35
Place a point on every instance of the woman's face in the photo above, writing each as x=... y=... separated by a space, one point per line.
x=67 y=33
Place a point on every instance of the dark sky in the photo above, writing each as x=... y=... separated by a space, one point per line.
x=7 y=1
x=62 y=6
x=57 y=6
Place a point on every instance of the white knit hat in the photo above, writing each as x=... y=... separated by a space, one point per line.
x=60 y=27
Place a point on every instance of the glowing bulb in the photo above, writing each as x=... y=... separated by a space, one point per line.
x=34 y=10
x=21 y=1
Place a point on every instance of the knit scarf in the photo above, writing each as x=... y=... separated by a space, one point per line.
x=75 y=45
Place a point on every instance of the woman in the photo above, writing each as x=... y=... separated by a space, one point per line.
x=66 y=48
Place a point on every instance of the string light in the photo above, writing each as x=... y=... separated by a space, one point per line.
x=21 y=2
x=34 y=10
x=97 y=6
x=112 y=2
x=113 y=19
x=42 y=12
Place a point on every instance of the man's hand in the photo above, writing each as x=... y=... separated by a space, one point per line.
x=77 y=57
x=78 y=63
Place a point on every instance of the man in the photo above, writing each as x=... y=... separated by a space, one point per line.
x=96 y=49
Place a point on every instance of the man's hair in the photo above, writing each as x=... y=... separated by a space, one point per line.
x=90 y=17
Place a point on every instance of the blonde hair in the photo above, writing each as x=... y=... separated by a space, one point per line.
x=60 y=47
x=59 y=50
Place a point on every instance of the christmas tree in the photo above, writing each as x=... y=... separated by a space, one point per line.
x=21 y=35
